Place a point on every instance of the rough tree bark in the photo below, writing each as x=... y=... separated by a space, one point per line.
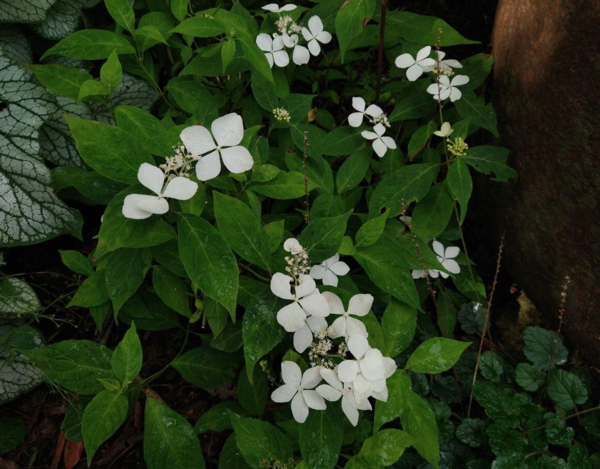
x=546 y=92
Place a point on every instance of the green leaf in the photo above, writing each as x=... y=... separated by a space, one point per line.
x=284 y=186
x=122 y=13
x=460 y=184
x=199 y=26
x=76 y=262
x=419 y=138
x=230 y=339
x=12 y=433
x=381 y=450
x=227 y=53
x=323 y=237
x=431 y=216
x=92 y=88
x=423 y=29
x=257 y=59
x=566 y=389
x=371 y=231
x=490 y=366
x=101 y=419
x=342 y=141
x=111 y=73
x=472 y=432
x=350 y=19
x=108 y=149
x=172 y=290
x=274 y=232
x=321 y=438
x=76 y=365
x=208 y=260
x=169 y=440
x=92 y=292
x=242 y=230
x=91 y=44
x=258 y=440
x=413 y=106
x=60 y=79
x=474 y=108
x=125 y=272
x=446 y=312
x=195 y=205
x=253 y=395
x=149 y=36
x=17 y=299
x=436 y=355
x=216 y=418
x=399 y=323
x=127 y=359
x=529 y=377
x=206 y=367
x=353 y=170
x=146 y=129
x=24 y=11
x=216 y=315
x=488 y=159
x=260 y=330
x=419 y=421
x=544 y=348
x=398 y=385
x=263 y=90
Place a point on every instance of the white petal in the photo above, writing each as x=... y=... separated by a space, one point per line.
x=414 y=72
x=291 y=317
x=237 y=159
x=444 y=80
x=316 y=324
x=433 y=89
x=272 y=7
x=340 y=268
x=451 y=266
x=329 y=393
x=360 y=304
x=151 y=177
x=378 y=385
x=180 y=188
x=379 y=129
x=362 y=389
x=359 y=104
x=349 y=408
x=306 y=287
x=291 y=373
x=208 y=167
x=289 y=41
x=324 y=37
x=278 y=43
x=284 y=393
x=315 y=304
x=348 y=370
x=355 y=119
x=364 y=405
x=389 y=142
x=131 y=210
x=299 y=408
x=354 y=326
x=314 y=400
x=335 y=303
x=447 y=92
x=314 y=47
x=451 y=252
x=228 y=130
x=317 y=272
x=423 y=53
x=358 y=345
x=444 y=274
x=332 y=260
x=427 y=64
x=153 y=204
x=281 y=58
x=338 y=328
x=311 y=378
x=197 y=139
x=301 y=55
x=292 y=245
x=369 y=135
x=436 y=273
x=288 y=7
x=455 y=94
x=302 y=338
x=281 y=286
x=372 y=366
x=307 y=35
x=374 y=111
x=460 y=80
x=404 y=61
x=264 y=41
x=332 y=378
x=390 y=366
x=330 y=279
x=438 y=248
x=379 y=147
x=381 y=395
x=453 y=63
x=315 y=25
x=440 y=54
x=269 y=56
x=418 y=273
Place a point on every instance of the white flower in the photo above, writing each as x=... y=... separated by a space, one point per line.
x=138 y=206
x=292 y=245
x=368 y=361
x=315 y=34
x=228 y=131
x=380 y=143
x=303 y=337
x=355 y=119
x=446 y=88
x=307 y=301
x=346 y=326
x=445 y=130
x=274 y=8
x=335 y=390
x=445 y=66
x=299 y=389
x=273 y=49
x=416 y=67
x=300 y=56
x=420 y=273
x=446 y=258
x=329 y=270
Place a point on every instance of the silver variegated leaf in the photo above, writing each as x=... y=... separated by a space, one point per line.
x=17 y=298
x=24 y=11
x=15 y=44
x=61 y=20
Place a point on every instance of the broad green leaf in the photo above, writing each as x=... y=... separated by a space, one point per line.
x=76 y=365
x=108 y=149
x=253 y=395
x=419 y=138
x=446 y=313
x=101 y=419
x=24 y=11
x=566 y=389
x=342 y=141
x=231 y=456
x=172 y=290
x=298 y=105
x=544 y=348
x=371 y=231
x=353 y=170
x=431 y=216
x=436 y=355
x=258 y=440
x=399 y=385
x=146 y=129
x=111 y=73
x=230 y=339
x=216 y=315
x=350 y=19
x=474 y=108
x=149 y=313
x=17 y=299
x=149 y=36
x=260 y=330
x=62 y=19
x=399 y=323
x=208 y=260
x=122 y=13
x=179 y=8
x=127 y=358
x=490 y=366
x=418 y=420
x=91 y=44
x=131 y=92
x=460 y=184
x=227 y=53
x=423 y=29
x=216 y=419
x=206 y=367
x=414 y=106
x=195 y=205
x=472 y=432
x=284 y=186
x=488 y=159
x=169 y=440
x=242 y=230
x=257 y=58
x=76 y=262
x=60 y=79
x=381 y=450
x=477 y=68
x=92 y=292
x=321 y=438
x=323 y=236
x=12 y=433
x=263 y=90
x=124 y=273
x=199 y=26
x=274 y=232
x=92 y=89
x=529 y=377
x=308 y=137
x=192 y=97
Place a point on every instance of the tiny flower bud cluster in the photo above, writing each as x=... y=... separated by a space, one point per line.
x=281 y=114
x=286 y=25
x=458 y=147
x=178 y=165
x=319 y=349
x=378 y=119
x=298 y=261
x=381 y=119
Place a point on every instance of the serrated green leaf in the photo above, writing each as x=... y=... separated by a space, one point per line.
x=544 y=348
x=474 y=108
x=529 y=377
x=323 y=236
x=566 y=389
x=471 y=432
x=490 y=366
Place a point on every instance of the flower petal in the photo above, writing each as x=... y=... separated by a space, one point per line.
x=314 y=400
x=372 y=366
x=314 y=47
x=208 y=167
x=284 y=393
x=197 y=139
x=324 y=37
x=307 y=35
x=291 y=317
x=315 y=304
x=281 y=58
x=269 y=56
x=354 y=326
x=404 y=61
x=374 y=111
x=291 y=373
x=330 y=279
x=332 y=378
x=438 y=248
x=335 y=303
x=453 y=63
x=329 y=393
x=153 y=204
x=301 y=55
x=427 y=64
x=151 y=177
x=299 y=408
x=237 y=159
x=451 y=266
x=389 y=142
x=273 y=7
x=265 y=41
x=347 y=371
x=355 y=119
x=369 y=135
x=390 y=366
x=292 y=245
x=451 y=252
x=423 y=53
x=340 y=268
x=381 y=395
x=460 y=80
x=315 y=25
x=131 y=210
x=379 y=147
x=362 y=389
x=311 y=378
x=281 y=286
x=358 y=345
x=180 y=188
x=414 y=72
x=306 y=287
x=228 y=130
x=288 y=7
x=359 y=104
x=317 y=272
x=302 y=338
x=338 y=328
x=418 y=273
x=350 y=409
x=360 y=304
x=455 y=94
x=316 y=324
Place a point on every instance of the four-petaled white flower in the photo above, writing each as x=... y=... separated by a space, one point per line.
x=139 y=206
x=355 y=119
x=380 y=143
x=445 y=66
x=273 y=49
x=416 y=67
x=228 y=131
x=445 y=257
x=274 y=8
x=335 y=390
x=315 y=34
x=329 y=270
x=445 y=130
x=292 y=246
x=299 y=389
x=301 y=55
x=307 y=301
x=347 y=326
x=446 y=88
x=303 y=337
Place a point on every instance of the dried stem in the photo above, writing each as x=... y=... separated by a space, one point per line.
x=380 y=56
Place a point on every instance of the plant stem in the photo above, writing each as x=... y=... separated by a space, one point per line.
x=380 y=56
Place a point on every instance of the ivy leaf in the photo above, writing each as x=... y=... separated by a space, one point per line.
x=321 y=438
x=17 y=299
x=529 y=377
x=566 y=389
x=24 y=11
x=436 y=355
x=544 y=348
x=206 y=367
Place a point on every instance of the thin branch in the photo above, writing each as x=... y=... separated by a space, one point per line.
x=380 y=56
